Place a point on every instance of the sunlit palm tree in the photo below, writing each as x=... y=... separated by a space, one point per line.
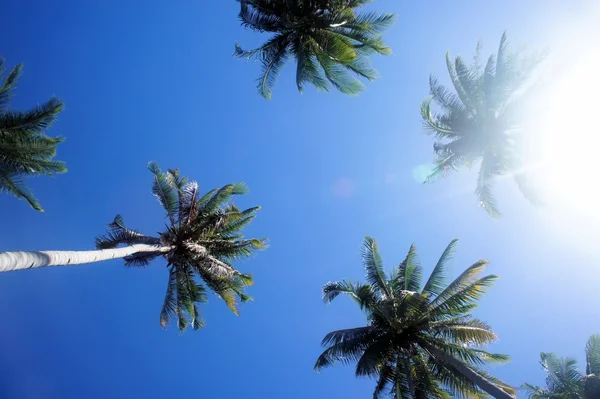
x=564 y=381
x=481 y=119
x=202 y=239
x=328 y=40
x=420 y=341
x=24 y=148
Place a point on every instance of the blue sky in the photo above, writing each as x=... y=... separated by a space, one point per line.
x=149 y=81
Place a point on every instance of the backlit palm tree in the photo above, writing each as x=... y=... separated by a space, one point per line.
x=481 y=120
x=564 y=381
x=328 y=40
x=420 y=341
x=24 y=148
x=202 y=239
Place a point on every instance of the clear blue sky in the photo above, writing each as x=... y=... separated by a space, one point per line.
x=149 y=80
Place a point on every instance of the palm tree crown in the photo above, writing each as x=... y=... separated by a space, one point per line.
x=24 y=148
x=564 y=381
x=420 y=341
x=482 y=120
x=326 y=37
x=202 y=238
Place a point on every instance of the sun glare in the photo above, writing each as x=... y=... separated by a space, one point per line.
x=568 y=142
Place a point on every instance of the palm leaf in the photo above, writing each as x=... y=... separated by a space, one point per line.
x=434 y=285
x=165 y=191
x=592 y=355
x=374 y=268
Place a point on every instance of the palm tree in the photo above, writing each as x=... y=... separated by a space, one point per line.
x=482 y=120
x=24 y=148
x=420 y=341
x=564 y=381
x=329 y=41
x=202 y=238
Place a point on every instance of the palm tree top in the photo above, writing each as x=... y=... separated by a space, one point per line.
x=480 y=118
x=329 y=41
x=564 y=380
x=202 y=239
x=420 y=339
x=25 y=150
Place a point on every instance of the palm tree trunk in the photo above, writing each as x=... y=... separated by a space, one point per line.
x=20 y=260
x=482 y=382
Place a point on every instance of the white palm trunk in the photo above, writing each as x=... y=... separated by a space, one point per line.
x=20 y=260
x=479 y=380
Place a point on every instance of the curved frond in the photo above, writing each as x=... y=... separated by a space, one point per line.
x=8 y=84
x=12 y=184
x=435 y=284
x=220 y=197
x=164 y=189
x=409 y=274
x=169 y=308
x=374 y=268
x=344 y=349
x=361 y=293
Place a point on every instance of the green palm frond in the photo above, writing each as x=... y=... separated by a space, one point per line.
x=11 y=183
x=200 y=243
x=417 y=344
x=345 y=348
x=7 y=86
x=169 y=308
x=434 y=285
x=25 y=149
x=361 y=293
x=220 y=197
x=119 y=234
x=164 y=190
x=463 y=280
x=374 y=268
x=307 y=68
x=564 y=380
x=409 y=272
x=329 y=41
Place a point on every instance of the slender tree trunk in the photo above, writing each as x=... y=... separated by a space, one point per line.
x=482 y=382
x=19 y=260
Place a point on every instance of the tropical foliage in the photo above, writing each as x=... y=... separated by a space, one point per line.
x=25 y=150
x=564 y=380
x=330 y=42
x=202 y=239
x=204 y=234
x=482 y=120
x=420 y=340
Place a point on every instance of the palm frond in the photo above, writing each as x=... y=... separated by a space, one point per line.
x=141 y=259
x=346 y=351
x=220 y=197
x=8 y=84
x=409 y=272
x=169 y=308
x=165 y=191
x=374 y=268
x=307 y=69
x=592 y=355
x=380 y=351
x=434 y=285
x=361 y=293
x=33 y=121
x=11 y=183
